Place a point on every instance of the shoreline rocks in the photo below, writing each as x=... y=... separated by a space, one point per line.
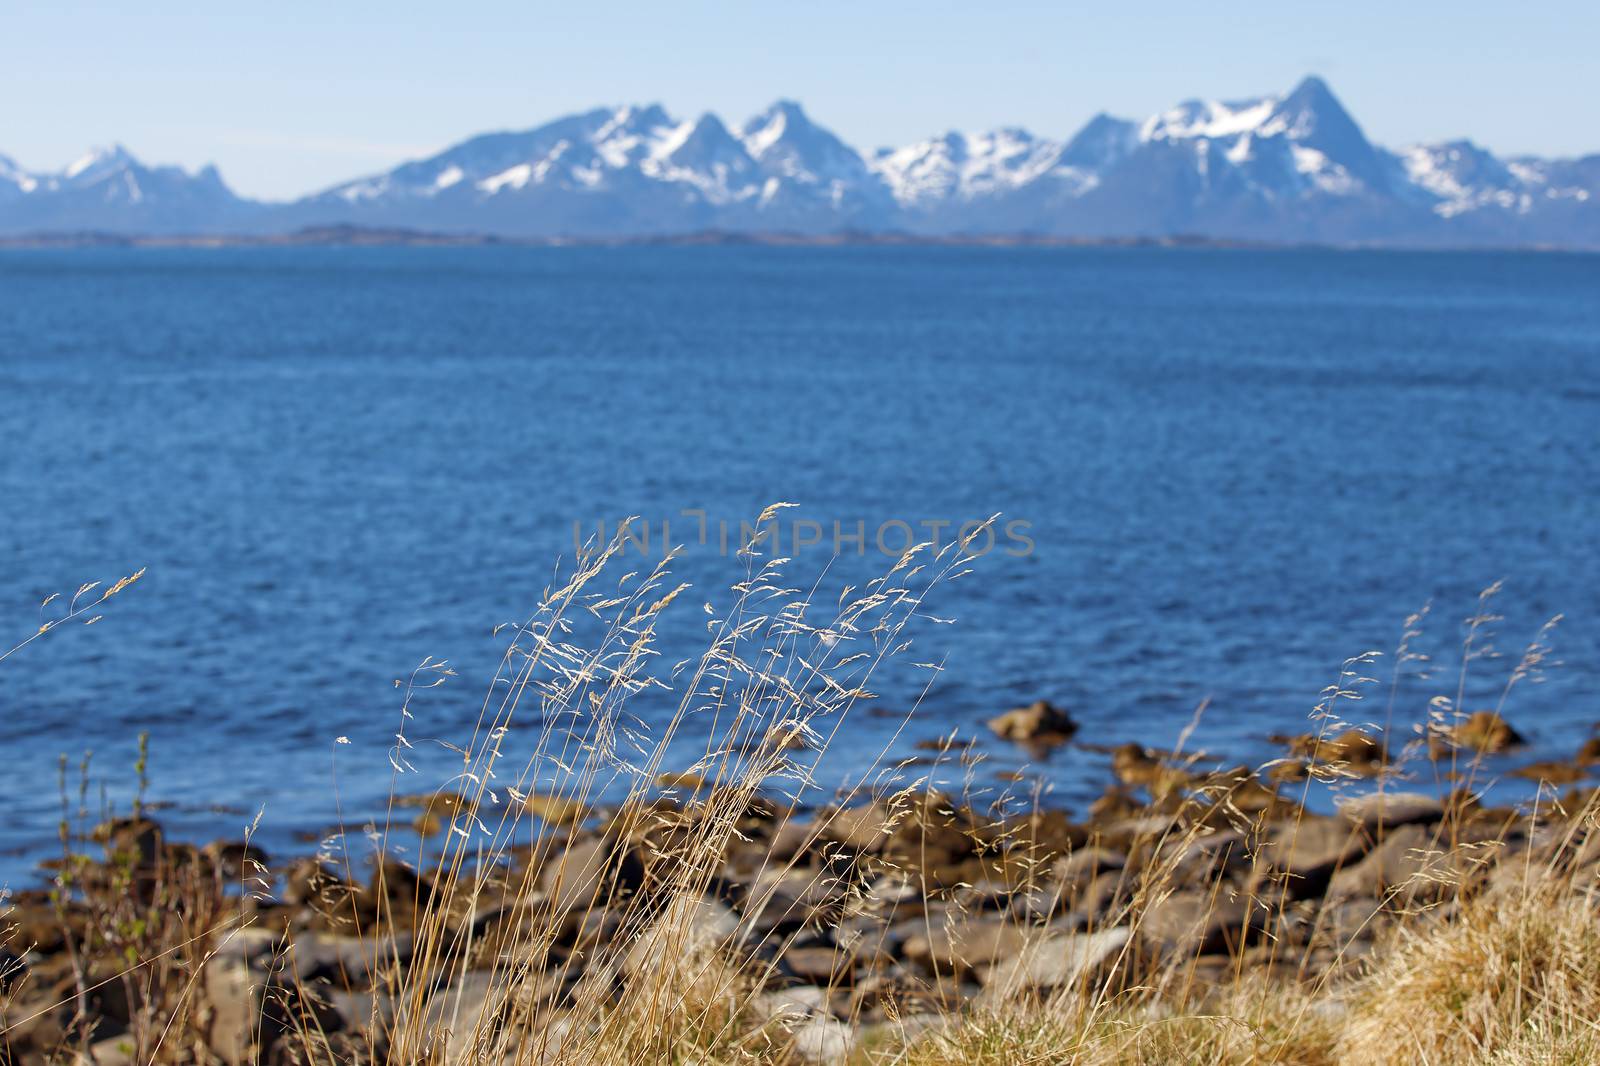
x=847 y=921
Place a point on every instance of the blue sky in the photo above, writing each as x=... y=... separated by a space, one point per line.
x=292 y=96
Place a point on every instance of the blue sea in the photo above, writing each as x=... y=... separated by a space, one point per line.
x=1233 y=470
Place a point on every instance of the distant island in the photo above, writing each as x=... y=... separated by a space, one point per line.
x=1291 y=168
x=367 y=236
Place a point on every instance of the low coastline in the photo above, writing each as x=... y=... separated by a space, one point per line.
x=836 y=933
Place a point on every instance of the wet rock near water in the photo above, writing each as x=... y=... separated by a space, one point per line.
x=1040 y=724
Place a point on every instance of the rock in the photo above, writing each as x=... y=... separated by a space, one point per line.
x=138 y=839
x=307 y=881
x=556 y=810
x=823 y=965
x=790 y=1005
x=686 y=929
x=1055 y=960
x=235 y=859
x=590 y=875
x=463 y=1013
x=1298 y=857
x=1352 y=751
x=785 y=900
x=1040 y=723
x=1410 y=865
x=1242 y=791
x=866 y=828
x=1554 y=773
x=114 y=1051
x=1137 y=767
x=1484 y=732
x=1385 y=810
x=822 y=1040
x=688 y=781
x=963 y=945
x=1199 y=859
x=231 y=1007
x=1196 y=922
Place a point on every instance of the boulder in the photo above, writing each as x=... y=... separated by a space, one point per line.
x=1553 y=772
x=235 y=859
x=824 y=965
x=556 y=810
x=1137 y=767
x=1385 y=810
x=1410 y=864
x=1484 y=732
x=1297 y=858
x=790 y=1005
x=1054 y=960
x=1198 y=922
x=822 y=1040
x=136 y=839
x=589 y=875
x=964 y=945
x=687 y=928
x=866 y=828
x=1040 y=723
x=1352 y=750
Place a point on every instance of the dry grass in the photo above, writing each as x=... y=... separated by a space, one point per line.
x=523 y=933
x=1514 y=977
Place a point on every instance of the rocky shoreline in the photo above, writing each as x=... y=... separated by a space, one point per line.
x=844 y=928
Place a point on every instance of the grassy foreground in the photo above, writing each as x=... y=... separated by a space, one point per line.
x=585 y=902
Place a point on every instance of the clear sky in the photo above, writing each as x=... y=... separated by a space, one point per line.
x=291 y=96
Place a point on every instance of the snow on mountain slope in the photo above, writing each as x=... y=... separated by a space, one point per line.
x=704 y=154
x=787 y=144
x=14 y=181
x=965 y=166
x=1300 y=144
x=1293 y=166
x=1460 y=176
x=781 y=169
x=109 y=189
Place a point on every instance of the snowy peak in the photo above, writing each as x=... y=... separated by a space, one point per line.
x=787 y=144
x=14 y=181
x=708 y=143
x=1102 y=143
x=633 y=135
x=1313 y=118
x=1208 y=119
x=964 y=167
x=108 y=188
x=98 y=164
x=1298 y=144
x=1290 y=166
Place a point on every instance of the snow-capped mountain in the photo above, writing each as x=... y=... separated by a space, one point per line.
x=108 y=189
x=622 y=171
x=1288 y=167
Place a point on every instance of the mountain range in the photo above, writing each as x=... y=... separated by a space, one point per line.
x=1290 y=167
